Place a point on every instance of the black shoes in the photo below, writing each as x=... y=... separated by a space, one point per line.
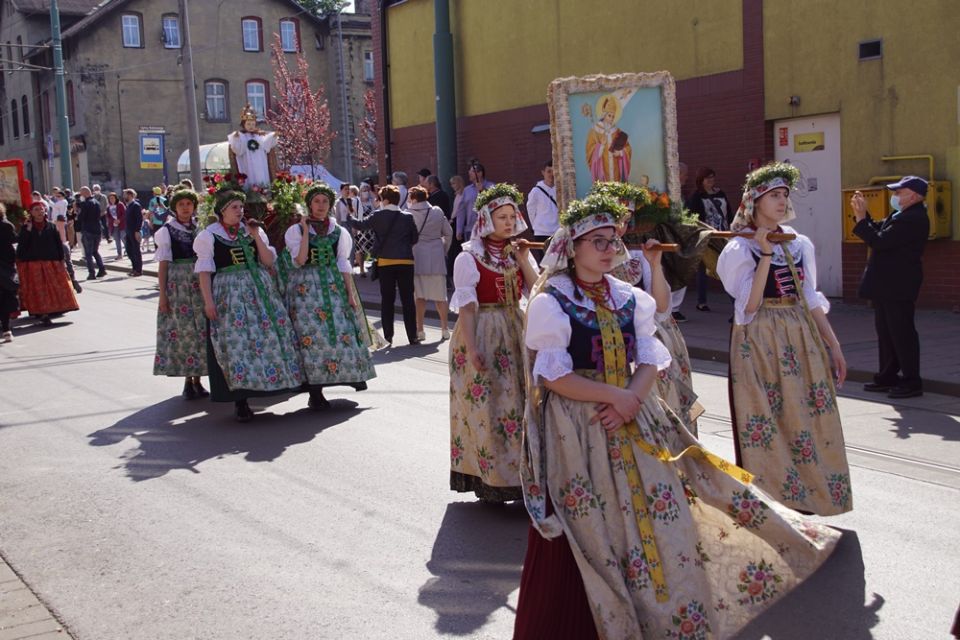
x=242 y=411
x=102 y=273
x=898 y=393
x=876 y=387
x=703 y=307
x=679 y=317
x=76 y=286
x=192 y=389
x=91 y=277
x=317 y=402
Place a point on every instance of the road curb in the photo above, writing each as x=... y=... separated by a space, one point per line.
x=699 y=353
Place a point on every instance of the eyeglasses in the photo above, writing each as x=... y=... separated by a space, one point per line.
x=602 y=244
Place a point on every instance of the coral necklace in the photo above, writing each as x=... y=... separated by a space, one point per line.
x=232 y=231
x=599 y=291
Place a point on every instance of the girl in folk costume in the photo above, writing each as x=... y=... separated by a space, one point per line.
x=44 y=284
x=181 y=324
x=486 y=375
x=252 y=349
x=322 y=301
x=644 y=269
x=783 y=394
x=637 y=532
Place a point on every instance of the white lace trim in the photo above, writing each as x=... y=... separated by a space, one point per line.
x=552 y=364
x=651 y=351
x=463 y=296
x=621 y=292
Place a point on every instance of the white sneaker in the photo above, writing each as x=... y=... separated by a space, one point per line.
x=421 y=335
x=6 y=337
x=444 y=335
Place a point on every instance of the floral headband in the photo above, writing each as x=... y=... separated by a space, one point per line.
x=744 y=217
x=561 y=249
x=484 y=224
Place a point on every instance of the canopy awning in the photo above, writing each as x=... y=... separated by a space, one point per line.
x=214 y=158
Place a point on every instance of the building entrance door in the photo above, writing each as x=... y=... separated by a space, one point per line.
x=813 y=146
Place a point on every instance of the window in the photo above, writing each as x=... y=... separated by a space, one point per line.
x=252 y=28
x=215 y=92
x=290 y=35
x=45 y=111
x=132 y=29
x=258 y=97
x=871 y=50
x=368 y=66
x=25 y=109
x=14 y=119
x=318 y=41
x=171 y=31
x=20 y=48
x=71 y=112
x=9 y=63
x=3 y=139
x=30 y=172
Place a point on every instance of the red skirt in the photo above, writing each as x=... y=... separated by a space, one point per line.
x=45 y=288
x=553 y=602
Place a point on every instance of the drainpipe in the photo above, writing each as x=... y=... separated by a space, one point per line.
x=443 y=78
x=387 y=150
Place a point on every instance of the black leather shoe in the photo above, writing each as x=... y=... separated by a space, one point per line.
x=199 y=390
x=317 y=402
x=876 y=387
x=189 y=393
x=904 y=392
x=77 y=287
x=102 y=273
x=242 y=411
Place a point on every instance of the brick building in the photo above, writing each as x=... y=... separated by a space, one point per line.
x=122 y=69
x=753 y=78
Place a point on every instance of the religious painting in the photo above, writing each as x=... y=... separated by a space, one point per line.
x=620 y=128
x=13 y=187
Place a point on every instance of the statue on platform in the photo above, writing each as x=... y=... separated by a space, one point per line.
x=253 y=151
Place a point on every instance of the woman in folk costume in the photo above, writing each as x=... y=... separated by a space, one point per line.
x=45 y=288
x=181 y=324
x=322 y=301
x=637 y=531
x=486 y=356
x=783 y=394
x=644 y=269
x=252 y=348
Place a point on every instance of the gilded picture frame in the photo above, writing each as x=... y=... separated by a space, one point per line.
x=614 y=127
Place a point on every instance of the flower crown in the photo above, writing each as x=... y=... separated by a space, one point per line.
x=497 y=192
x=594 y=205
x=183 y=193
x=624 y=191
x=787 y=174
x=318 y=188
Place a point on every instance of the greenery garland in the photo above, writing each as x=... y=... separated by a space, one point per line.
x=316 y=189
x=593 y=204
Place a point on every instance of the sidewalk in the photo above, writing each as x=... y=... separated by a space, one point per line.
x=22 y=615
x=708 y=334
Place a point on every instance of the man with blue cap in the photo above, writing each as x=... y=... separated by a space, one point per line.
x=892 y=281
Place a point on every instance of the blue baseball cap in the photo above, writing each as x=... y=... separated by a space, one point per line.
x=915 y=184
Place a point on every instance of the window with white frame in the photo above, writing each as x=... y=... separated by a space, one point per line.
x=171 y=31
x=289 y=35
x=257 y=98
x=368 y=66
x=216 y=96
x=251 y=34
x=132 y=31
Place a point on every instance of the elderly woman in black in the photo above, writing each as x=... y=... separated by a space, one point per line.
x=396 y=234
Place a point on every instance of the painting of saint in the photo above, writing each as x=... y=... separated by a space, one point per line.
x=608 y=146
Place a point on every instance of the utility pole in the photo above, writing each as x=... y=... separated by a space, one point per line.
x=343 y=101
x=63 y=123
x=189 y=86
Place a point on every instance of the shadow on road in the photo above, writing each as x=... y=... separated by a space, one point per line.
x=830 y=605
x=175 y=434
x=913 y=422
x=476 y=559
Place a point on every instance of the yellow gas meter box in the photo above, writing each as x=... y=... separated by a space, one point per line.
x=939 y=208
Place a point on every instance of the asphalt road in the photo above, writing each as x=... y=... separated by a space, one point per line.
x=136 y=515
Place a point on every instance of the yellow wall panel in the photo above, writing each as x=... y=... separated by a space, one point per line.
x=508 y=51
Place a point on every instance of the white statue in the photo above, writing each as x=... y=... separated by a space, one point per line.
x=252 y=150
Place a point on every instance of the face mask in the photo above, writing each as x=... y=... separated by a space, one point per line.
x=895 y=202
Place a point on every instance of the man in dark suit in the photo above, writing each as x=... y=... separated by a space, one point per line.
x=134 y=221
x=892 y=281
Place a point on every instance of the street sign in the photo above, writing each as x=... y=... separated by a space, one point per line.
x=151 y=150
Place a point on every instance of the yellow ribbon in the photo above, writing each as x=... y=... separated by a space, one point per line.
x=616 y=373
